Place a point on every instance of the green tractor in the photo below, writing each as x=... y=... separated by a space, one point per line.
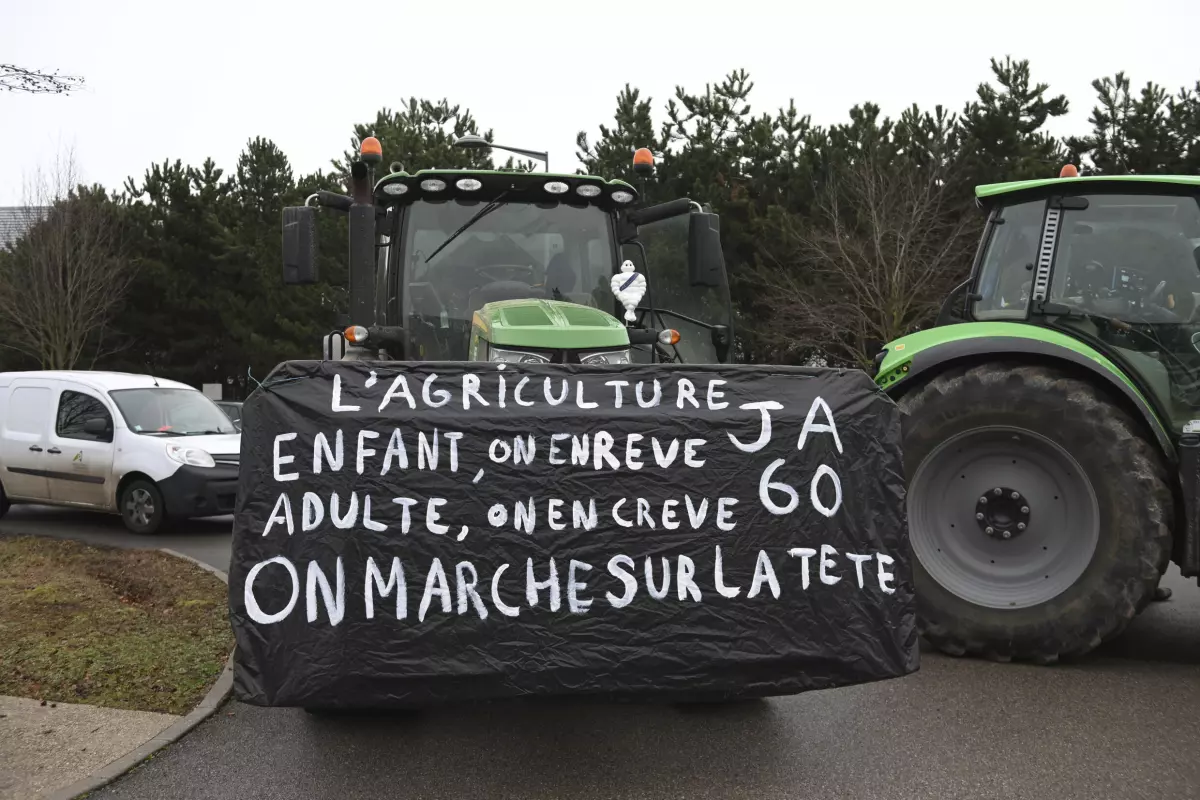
x=516 y=266
x=1052 y=425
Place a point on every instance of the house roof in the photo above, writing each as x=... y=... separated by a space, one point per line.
x=14 y=220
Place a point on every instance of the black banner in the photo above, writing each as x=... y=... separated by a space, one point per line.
x=424 y=532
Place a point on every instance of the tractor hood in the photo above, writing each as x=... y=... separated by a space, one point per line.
x=549 y=324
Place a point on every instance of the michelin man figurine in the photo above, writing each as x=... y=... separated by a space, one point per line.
x=629 y=288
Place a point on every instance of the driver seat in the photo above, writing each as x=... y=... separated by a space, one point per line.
x=562 y=282
x=1170 y=261
x=560 y=277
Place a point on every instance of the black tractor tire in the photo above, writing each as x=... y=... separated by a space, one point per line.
x=142 y=507
x=1117 y=545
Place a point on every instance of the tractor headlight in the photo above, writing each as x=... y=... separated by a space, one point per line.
x=516 y=356
x=607 y=357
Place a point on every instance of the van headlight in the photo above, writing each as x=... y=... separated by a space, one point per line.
x=607 y=357
x=191 y=456
x=516 y=356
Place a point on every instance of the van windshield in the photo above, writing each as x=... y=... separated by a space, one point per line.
x=171 y=412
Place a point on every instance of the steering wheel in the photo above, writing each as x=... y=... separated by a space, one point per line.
x=522 y=268
x=1157 y=306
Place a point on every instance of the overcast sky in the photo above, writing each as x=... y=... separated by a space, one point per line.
x=169 y=80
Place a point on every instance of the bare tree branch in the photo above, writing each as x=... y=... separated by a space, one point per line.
x=886 y=241
x=19 y=79
x=62 y=282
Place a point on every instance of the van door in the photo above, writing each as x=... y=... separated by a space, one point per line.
x=80 y=456
x=23 y=443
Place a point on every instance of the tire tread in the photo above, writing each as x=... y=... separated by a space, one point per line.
x=1137 y=457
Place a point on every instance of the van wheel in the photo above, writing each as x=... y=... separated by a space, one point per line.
x=142 y=507
x=4 y=504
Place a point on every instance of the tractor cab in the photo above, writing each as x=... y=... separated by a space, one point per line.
x=466 y=265
x=452 y=247
x=1113 y=262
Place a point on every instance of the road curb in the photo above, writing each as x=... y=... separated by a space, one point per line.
x=216 y=696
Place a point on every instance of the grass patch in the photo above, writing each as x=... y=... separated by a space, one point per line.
x=135 y=629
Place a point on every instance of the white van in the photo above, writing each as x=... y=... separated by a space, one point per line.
x=145 y=448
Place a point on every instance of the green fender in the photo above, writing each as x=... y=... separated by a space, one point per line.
x=923 y=352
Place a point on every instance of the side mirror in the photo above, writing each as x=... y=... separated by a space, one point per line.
x=96 y=426
x=299 y=245
x=706 y=261
x=722 y=342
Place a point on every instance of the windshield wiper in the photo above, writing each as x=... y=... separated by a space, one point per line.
x=205 y=433
x=489 y=208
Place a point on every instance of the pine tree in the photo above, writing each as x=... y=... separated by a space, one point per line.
x=422 y=136
x=1003 y=136
x=171 y=322
x=1139 y=134
x=611 y=156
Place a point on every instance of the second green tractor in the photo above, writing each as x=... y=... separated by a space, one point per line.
x=1052 y=431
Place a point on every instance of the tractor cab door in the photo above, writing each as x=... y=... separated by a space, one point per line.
x=1128 y=266
x=699 y=311
x=1005 y=271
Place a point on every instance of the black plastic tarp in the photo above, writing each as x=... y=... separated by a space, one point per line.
x=409 y=534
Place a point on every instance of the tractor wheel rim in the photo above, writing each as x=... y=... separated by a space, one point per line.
x=949 y=525
x=140 y=507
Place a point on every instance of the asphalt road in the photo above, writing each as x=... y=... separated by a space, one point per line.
x=1123 y=724
x=206 y=539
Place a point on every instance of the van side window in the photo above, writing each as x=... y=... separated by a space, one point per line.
x=74 y=410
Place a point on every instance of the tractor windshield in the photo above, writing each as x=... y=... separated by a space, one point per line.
x=517 y=250
x=1129 y=267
